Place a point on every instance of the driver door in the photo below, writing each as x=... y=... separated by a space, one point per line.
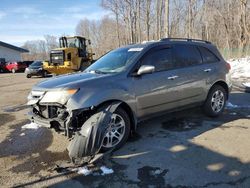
x=156 y=92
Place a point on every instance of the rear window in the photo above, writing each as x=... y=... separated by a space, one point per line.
x=186 y=55
x=208 y=56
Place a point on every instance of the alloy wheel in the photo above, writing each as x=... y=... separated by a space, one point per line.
x=217 y=101
x=115 y=131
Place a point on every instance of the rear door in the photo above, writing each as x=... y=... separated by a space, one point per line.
x=189 y=69
x=211 y=67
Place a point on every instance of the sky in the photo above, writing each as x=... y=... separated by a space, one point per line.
x=22 y=20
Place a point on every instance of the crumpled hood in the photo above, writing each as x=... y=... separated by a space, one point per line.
x=67 y=81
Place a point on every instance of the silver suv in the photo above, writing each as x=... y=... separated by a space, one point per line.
x=98 y=108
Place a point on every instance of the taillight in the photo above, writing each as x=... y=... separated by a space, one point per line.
x=228 y=66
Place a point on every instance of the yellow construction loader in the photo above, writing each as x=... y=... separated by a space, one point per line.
x=74 y=54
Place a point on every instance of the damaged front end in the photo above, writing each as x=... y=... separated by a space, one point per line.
x=85 y=127
x=49 y=109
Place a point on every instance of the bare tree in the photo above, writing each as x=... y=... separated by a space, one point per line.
x=148 y=6
x=225 y=22
x=39 y=49
x=166 y=18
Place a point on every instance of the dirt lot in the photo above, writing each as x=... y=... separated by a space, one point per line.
x=184 y=149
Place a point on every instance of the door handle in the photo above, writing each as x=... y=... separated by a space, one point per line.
x=172 y=77
x=207 y=70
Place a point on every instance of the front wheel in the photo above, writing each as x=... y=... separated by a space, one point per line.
x=216 y=101
x=45 y=74
x=118 y=130
x=28 y=76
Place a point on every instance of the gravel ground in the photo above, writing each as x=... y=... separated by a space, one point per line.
x=183 y=149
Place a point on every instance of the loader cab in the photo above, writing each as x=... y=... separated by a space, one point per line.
x=77 y=42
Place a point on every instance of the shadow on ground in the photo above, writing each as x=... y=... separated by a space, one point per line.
x=5 y=118
x=30 y=146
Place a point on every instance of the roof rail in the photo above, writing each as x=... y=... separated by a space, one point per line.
x=185 y=39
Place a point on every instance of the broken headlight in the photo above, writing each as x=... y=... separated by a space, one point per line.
x=60 y=96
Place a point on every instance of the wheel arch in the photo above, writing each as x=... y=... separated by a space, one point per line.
x=222 y=84
x=127 y=108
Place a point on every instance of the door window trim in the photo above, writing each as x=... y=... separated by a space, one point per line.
x=151 y=50
x=218 y=59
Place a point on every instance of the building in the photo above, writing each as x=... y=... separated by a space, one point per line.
x=9 y=52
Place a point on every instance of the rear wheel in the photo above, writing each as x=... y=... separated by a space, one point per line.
x=118 y=131
x=216 y=101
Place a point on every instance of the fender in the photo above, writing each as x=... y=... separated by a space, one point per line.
x=80 y=100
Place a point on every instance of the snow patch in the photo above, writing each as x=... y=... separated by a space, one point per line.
x=106 y=170
x=230 y=105
x=84 y=170
x=31 y=126
x=187 y=127
x=233 y=113
x=22 y=134
x=240 y=68
x=246 y=84
x=158 y=171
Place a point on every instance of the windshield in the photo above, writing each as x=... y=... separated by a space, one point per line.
x=74 y=43
x=113 y=62
x=36 y=63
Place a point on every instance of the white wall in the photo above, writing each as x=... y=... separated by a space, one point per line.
x=9 y=54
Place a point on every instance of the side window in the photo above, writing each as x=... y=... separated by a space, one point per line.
x=208 y=56
x=186 y=55
x=161 y=59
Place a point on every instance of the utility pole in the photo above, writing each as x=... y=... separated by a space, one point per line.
x=166 y=18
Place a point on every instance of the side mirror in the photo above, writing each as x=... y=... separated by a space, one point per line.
x=145 y=69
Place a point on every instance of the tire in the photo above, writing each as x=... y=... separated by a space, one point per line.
x=28 y=76
x=45 y=74
x=215 y=102
x=120 y=114
x=13 y=71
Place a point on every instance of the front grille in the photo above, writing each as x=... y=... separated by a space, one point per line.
x=57 y=58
